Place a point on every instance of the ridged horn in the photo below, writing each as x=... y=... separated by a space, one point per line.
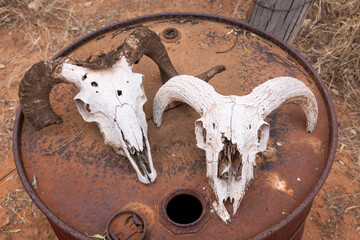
x=271 y=94
x=34 y=93
x=142 y=41
x=188 y=89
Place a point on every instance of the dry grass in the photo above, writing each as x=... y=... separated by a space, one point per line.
x=37 y=21
x=330 y=40
x=16 y=203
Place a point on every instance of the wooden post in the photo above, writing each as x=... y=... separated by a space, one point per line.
x=282 y=18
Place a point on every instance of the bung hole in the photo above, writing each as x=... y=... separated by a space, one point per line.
x=184 y=209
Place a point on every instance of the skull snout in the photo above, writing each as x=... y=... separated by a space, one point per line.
x=136 y=145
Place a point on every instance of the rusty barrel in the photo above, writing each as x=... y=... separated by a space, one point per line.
x=82 y=185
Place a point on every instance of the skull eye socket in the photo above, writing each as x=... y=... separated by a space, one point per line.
x=84 y=109
x=87 y=107
x=200 y=133
x=263 y=136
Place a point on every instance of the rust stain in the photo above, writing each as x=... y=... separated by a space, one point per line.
x=145 y=210
x=314 y=142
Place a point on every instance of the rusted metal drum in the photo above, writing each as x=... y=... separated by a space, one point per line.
x=83 y=184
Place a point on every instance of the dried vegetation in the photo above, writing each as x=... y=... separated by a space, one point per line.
x=330 y=41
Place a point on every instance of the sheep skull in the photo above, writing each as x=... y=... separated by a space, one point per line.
x=114 y=99
x=232 y=129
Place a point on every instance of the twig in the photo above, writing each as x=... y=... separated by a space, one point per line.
x=246 y=50
x=101 y=37
x=6 y=175
x=22 y=218
x=235 y=42
x=350 y=208
x=64 y=145
x=287 y=61
x=346 y=195
x=34 y=183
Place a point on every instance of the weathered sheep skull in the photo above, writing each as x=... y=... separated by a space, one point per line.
x=232 y=129
x=110 y=95
x=114 y=99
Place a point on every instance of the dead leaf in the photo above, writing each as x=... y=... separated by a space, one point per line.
x=34 y=6
x=98 y=236
x=88 y=4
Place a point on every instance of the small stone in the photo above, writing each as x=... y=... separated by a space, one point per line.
x=88 y=4
x=2 y=66
x=173 y=155
x=353 y=131
x=279 y=144
x=298 y=179
x=341 y=162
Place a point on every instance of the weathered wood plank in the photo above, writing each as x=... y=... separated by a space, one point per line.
x=296 y=28
x=282 y=18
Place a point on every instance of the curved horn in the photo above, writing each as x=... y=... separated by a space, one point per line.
x=34 y=93
x=142 y=41
x=271 y=94
x=188 y=89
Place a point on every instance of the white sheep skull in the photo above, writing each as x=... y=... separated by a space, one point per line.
x=110 y=95
x=232 y=129
x=114 y=99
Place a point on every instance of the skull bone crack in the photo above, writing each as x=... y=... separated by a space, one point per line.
x=110 y=94
x=232 y=129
